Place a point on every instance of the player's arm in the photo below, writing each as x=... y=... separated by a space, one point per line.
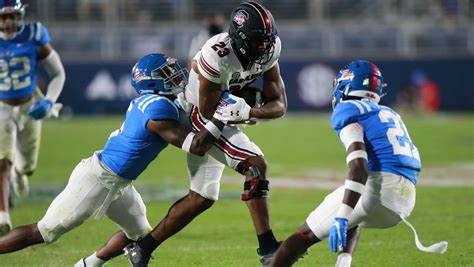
x=352 y=136
x=182 y=137
x=275 y=96
x=50 y=60
x=209 y=93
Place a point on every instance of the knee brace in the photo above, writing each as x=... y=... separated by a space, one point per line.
x=254 y=187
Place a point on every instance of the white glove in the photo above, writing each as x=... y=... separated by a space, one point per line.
x=232 y=108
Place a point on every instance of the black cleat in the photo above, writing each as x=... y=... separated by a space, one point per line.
x=136 y=256
x=266 y=259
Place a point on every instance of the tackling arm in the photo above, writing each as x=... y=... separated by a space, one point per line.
x=275 y=96
x=182 y=137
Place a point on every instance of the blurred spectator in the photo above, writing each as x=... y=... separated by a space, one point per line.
x=93 y=9
x=429 y=91
x=212 y=25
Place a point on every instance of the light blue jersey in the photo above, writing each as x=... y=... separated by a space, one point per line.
x=389 y=147
x=19 y=60
x=129 y=150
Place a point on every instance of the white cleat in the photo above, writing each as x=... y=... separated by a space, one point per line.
x=19 y=184
x=81 y=263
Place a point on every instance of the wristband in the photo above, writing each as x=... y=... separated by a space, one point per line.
x=354 y=186
x=344 y=211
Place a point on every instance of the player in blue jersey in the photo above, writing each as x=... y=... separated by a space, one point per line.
x=383 y=162
x=23 y=46
x=102 y=183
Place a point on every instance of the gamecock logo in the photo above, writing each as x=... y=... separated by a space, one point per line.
x=240 y=18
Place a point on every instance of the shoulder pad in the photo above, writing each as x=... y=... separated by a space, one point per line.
x=38 y=33
x=158 y=108
x=210 y=57
x=348 y=112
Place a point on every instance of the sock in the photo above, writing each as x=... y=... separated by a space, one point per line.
x=94 y=261
x=5 y=217
x=344 y=260
x=148 y=244
x=266 y=242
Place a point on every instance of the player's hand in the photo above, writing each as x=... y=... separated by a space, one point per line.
x=183 y=103
x=232 y=108
x=337 y=239
x=40 y=109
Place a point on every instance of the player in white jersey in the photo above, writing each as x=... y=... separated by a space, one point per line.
x=229 y=61
x=23 y=48
x=383 y=167
x=102 y=183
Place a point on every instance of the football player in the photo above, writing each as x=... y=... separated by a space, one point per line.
x=102 y=183
x=383 y=162
x=23 y=46
x=228 y=61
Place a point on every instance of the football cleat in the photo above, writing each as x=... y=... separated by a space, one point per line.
x=266 y=259
x=136 y=256
x=5 y=224
x=81 y=263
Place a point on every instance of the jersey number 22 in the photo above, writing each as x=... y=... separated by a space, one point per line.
x=20 y=69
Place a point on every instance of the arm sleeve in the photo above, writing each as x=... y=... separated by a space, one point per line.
x=161 y=109
x=41 y=35
x=351 y=133
x=53 y=66
x=208 y=63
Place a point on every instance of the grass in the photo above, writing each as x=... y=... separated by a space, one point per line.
x=224 y=236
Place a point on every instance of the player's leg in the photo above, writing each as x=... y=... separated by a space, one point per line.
x=293 y=247
x=129 y=212
x=237 y=151
x=344 y=257
x=204 y=191
x=7 y=134
x=26 y=153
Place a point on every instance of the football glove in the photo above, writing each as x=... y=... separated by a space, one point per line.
x=40 y=109
x=337 y=239
x=232 y=108
x=181 y=102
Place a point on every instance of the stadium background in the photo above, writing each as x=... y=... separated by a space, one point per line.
x=99 y=41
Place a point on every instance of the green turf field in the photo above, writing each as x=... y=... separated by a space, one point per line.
x=298 y=147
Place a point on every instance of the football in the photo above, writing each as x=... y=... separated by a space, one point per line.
x=253 y=95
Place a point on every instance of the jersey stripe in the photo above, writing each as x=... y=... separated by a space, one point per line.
x=231 y=150
x=358 y=105
x=32 y=31
x=144 y=99
x=209 y=70
x=369 y=109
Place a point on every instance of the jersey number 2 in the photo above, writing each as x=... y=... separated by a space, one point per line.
x=221 y=50
x=20 y=69
x=398 y=135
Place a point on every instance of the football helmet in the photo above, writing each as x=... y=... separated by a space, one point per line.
x=360 y=79
x=253 y=32
x=158 y=74
x=12 y=13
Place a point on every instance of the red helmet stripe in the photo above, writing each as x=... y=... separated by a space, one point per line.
x=374 y=77
x=263 y=15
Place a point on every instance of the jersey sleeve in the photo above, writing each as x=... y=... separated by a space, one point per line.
x=208 y=63
x=161 y=109
x=346 y=112
x=41 y=35
x=275 y=56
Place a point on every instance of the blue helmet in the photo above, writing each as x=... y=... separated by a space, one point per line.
x=158 y=74
x=14 y=10
x=359 y=79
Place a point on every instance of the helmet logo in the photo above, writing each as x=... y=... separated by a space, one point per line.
x=240 y=17
x=347 y=75
x=370 y=95
x=138 y=75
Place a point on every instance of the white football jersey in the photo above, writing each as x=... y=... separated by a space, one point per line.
x=218 y=63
